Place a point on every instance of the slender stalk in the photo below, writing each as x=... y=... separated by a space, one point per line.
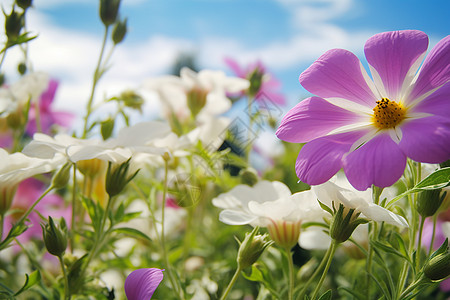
x=249 y=145
x=315 y=274
x=66 y=279
x=2 y=224
x=419 y=244
x=327 y=267
x=97 y=75
x=433 y=235
x=163 y=238
x=74 y=209
x=3 y=57
x=291 y=273
x=30 y=209
x=231 y=283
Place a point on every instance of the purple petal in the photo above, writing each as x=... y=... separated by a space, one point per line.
x=338 y=73
x=435 y=70
x=437 y=103
x=321 y=158
x=234 y=66
x=48 y=96
x=392 y=54
x=427 y=139
x=379 y=161
x=312 y=118
x=142 y=283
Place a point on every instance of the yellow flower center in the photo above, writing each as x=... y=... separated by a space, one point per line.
x=388 y=114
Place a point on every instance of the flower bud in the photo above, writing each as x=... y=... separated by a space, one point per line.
x=438 y=265
x=251 y=248
x=106 y=128
x=119 y=31
x=108 y=11
x=61 y=177
x=117 y=178
x=55 y=237
x=428 y=202
x=132 y=99
x=24 y=4
x=249 y=176
x=343 y=223
x=13 y=25
x=22 y=68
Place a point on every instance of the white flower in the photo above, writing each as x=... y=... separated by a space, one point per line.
x=201 y=94
x=130 y=140
x=15 y=168
x=341 y=192
x=271 y=205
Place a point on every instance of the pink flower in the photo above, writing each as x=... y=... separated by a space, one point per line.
x=366 y=127
x=28 y=191
x=47 y=116
x=142 y=283
x=262 y=83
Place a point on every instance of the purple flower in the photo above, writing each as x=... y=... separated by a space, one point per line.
x=47 y=116
x=366 y=127
x=262 y=83
x=142 y=283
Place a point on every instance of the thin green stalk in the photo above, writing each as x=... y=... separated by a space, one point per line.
x=231 y=283
x=3 y=57
x=74 y=209
x=30 y=209
x=333 y=247
x=291 y=273
x=163 y=238
x=97 y=75
x=248 y=148
x=315 y=274
x=2 y=224
x=66 y=279
x=433 y=235
x=419 y=244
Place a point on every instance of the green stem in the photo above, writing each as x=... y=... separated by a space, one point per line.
x=3 y=57
x=74 y=209
x=419 y=244
x=66 y=279
x=433 y=235
x=315 y=274
x=2 y=224
x=248 y=148
x=163 y=237
x=30 y=209
x=231 y=283
x=412 y=286
x=333 y=247
x=291 y=273
x=97 y=75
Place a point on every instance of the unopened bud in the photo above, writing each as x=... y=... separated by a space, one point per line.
x=13 y=25
x=7 y=193
x=284 y=233
x=117 y=178
x=251 y=248
x=119 y=31
x=428 y=202
x=22 y=68
x=132 y=99
x=343 y=223
x=91 y=167
x=249 y=176
x=438 y=266
x=108 y=11
x=61 y=178
x=24 y=4
x=55 y=237
x=107 y=128
x=196 y=100
x=256 y=79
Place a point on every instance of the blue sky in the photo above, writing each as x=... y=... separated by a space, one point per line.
x=287 y=35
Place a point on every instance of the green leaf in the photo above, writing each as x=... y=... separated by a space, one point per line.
x=354 y=293
x=437 y=180
x=325 y=207
x=30 y=280
x=133 y=233
x=326 y=295
x=389 y=249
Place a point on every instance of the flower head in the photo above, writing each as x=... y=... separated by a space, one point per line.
x=367 y=127
x=142 y=283
x=271 y=205
x=262 y=83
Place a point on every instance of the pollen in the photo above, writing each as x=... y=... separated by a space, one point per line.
x=388 y=114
